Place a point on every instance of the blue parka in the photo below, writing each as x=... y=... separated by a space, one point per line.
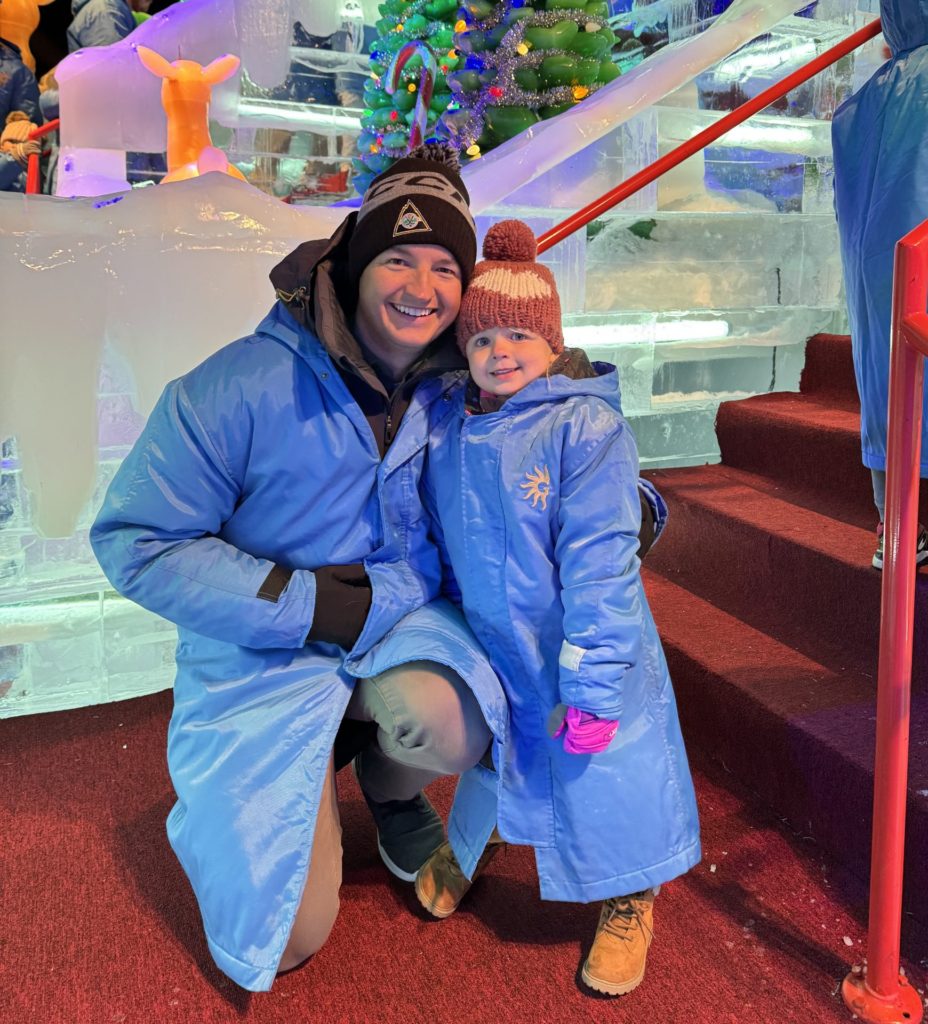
x=539 y=514
x=257 y=457
x=880 y=139
x=99 y=23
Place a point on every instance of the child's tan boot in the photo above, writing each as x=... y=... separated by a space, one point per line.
x=441 y=884
x=620 y=950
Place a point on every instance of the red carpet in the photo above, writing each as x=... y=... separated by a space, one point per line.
x=100 y=927
x=769 y=613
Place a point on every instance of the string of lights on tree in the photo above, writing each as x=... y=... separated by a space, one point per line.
x=391 y=116
x=523 y=64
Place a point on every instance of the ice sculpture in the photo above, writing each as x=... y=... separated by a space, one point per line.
x=162 y=277
x=185 y=96
x=110 y=104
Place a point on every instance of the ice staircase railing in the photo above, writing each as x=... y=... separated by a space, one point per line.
x=706 y=137
x=881 y=993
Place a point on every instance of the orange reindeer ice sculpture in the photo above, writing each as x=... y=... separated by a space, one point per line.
x=185 y=97
x=18 y=20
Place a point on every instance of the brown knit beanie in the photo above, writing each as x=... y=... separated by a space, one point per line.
x=509 y=289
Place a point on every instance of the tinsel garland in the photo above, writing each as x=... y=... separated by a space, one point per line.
x=506 y=61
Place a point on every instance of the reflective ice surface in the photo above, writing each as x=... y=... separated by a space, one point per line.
x=105 y=302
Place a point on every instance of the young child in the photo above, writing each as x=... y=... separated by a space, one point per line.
x=531 y=477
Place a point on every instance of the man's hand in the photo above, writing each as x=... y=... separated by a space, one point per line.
x=15 y=138
x=21 y=151
x=343 y=599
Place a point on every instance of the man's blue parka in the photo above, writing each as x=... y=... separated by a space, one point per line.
x=880 y=139
x=261 y=457
x=540 y=514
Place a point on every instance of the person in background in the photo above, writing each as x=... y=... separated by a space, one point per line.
x=99 y=23
x=19 y=115
x=880 y=141
x=48 y=103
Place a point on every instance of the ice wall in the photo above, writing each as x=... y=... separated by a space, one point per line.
x=162 y=276
x=109 y=101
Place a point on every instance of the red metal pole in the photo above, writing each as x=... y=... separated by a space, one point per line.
x=32 y=172
x=883 y=995
x=676 y=156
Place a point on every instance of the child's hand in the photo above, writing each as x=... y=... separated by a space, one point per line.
x=584 y=733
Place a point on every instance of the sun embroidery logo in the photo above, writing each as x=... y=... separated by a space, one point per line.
x=537 y=487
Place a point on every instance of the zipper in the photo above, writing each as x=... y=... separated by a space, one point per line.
x=388 y=428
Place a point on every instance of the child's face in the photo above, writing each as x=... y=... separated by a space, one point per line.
x=504 y=359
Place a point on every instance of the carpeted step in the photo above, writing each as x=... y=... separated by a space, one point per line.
x=795 y=731
x=829 y=367
x=809 y=444
x=800 y=576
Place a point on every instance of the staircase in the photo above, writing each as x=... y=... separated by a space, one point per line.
x=769 y=613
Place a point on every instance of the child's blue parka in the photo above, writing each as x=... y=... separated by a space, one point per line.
x=539 y=512
x=880 y=140
x=260 y=456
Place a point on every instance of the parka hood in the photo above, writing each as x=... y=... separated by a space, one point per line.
x=905 y=24
x=571 y=374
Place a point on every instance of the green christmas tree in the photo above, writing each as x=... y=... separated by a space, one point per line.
x=523 y=64
x=385 y=124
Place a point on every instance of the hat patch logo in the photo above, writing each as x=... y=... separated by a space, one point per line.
x=409 y=221
x=537 y=487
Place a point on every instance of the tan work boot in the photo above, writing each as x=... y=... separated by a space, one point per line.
x=620 y=950
x=441 y=884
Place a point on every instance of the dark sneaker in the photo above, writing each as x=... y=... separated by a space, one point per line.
x=921 y=547
x=408 y=831
x=441 y=884
x=617 y=960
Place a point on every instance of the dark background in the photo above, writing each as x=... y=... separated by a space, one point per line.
x=49 y=42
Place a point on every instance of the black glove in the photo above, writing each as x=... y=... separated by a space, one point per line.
x=343 y=599
x=646 y=531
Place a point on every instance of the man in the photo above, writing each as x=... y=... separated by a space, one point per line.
x=260 y=484
x=881 y=193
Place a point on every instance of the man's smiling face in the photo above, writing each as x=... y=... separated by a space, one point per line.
x=407 y=296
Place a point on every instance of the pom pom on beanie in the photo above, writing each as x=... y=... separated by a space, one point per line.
x=510 y=289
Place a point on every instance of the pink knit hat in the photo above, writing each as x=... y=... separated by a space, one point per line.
x=509 y=289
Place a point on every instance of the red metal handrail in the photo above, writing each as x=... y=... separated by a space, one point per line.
x=724 y=124
x=32 y=174
x=883 y=994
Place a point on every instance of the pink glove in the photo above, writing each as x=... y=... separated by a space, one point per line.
x=585 y=733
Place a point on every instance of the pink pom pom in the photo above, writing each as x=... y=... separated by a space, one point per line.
x=510 y=241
